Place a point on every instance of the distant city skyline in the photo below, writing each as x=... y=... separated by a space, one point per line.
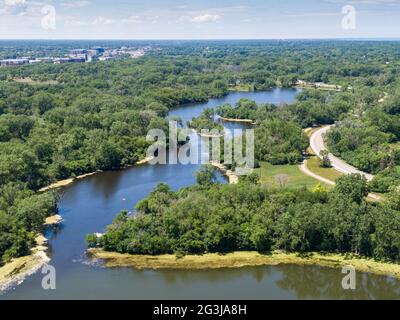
x=206 y=19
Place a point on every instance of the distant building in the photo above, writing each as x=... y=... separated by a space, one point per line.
x=76 y=52
x=14 y=62
x=321 y=85
x=92 y=52
x=45 y=59
x=70 y=59
x=98 y=49
x=61 y=60
x=137 y=53
x=78 y=55
x=78 y=59
x=105 y=58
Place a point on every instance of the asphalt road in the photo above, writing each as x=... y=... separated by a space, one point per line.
x=317 y=145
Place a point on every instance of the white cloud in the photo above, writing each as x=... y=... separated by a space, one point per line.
x=13 y=2
x=100 y=20
x=13 y=7
x=206 y=18
x=75 y=4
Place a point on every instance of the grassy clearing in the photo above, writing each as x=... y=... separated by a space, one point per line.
x=284 y=176
x=35 y=82
x=242 y=88
x=314 y=165
x=243 y=259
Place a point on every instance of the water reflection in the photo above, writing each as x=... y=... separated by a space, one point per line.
x=109 y=183
x=325 y=283
x=271 y=282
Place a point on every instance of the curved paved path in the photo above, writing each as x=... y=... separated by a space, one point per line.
x=317 y=145
x=303 y=167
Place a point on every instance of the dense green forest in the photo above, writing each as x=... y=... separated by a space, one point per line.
x=279 y=142
x=369 y=139
x=22 y=213
x=245 y=109
x=95 y=116
x=206 y=121
x=210 y=217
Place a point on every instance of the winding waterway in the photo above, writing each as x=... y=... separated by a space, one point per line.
x=90 y=205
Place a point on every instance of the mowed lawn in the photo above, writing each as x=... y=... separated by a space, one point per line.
x=284 y=176
x=314 y=165
x=242 y=88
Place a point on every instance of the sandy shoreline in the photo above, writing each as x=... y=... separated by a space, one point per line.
x=243 y=259
x=66 y=182
x=16 y=271
x=239 y=120
x=204 y=135
x=144 y=161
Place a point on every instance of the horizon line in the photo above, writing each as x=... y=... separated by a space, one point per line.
x=203 y=39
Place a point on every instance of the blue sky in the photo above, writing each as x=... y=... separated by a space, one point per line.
x=195 y=19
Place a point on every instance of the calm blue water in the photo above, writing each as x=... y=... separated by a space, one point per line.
x=276 y=96
x=91 y=204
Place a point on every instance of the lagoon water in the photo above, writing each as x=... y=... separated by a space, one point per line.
x=91 y=204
